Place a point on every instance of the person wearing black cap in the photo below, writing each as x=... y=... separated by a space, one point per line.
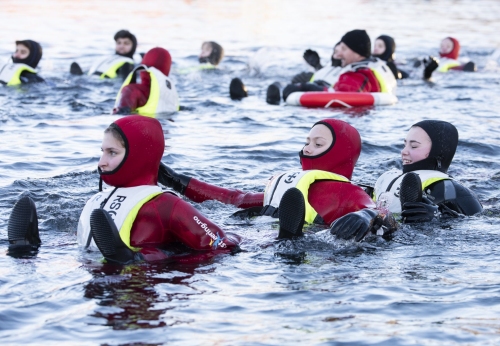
x=359 y=73
x=384 y=49
x=424 y=189
x=24 y=62
x=119 y=64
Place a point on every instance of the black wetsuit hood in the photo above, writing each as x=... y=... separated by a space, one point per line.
x=390 y=48
x=444 y=137
x=131 y=37
x=35 y=53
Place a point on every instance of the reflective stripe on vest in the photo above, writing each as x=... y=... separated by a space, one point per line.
x=388 y=185
x=108 y=67
x=445 y=64
x=10 y=73
x=302 y=180
x=163 y=97
x=123 y=205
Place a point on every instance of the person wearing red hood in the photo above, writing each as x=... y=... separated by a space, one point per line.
x=22 y=69
x=136 y=219
x=154 y=93
x=320 y=192
x=449 y=51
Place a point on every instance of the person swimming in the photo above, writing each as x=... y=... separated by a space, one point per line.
x=119 y=64
x=424 y=186
x=320 y=192
x=384 y=48
x=359 y=73
x=22 y=69
x=155 y=92
x=135 y=219
x=211 y=54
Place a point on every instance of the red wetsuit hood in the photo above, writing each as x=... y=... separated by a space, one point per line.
x=159 y=58
x=342 y=155
x=454 y=52
x=144 y=144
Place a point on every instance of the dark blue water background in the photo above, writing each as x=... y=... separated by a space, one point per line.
x=432 y=284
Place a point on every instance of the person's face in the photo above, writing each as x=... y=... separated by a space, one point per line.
x=123 y=45
x=379 y=47
x=206 y=50
x=112 y=153
x=336 y=51
x=347 y=55
x=318 y=140
x=417 y=146
x=22 y=51
x=446 y=46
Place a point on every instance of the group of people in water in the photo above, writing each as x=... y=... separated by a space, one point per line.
x=138 y=219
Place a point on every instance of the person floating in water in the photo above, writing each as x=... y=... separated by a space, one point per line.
x=320 y=192
x=148 y=90
x=428 y=152
x=211 y=55
x=136 y=219
x=22 y=69
x=119 y=64
x=384 y=48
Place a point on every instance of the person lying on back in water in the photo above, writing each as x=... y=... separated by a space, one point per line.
x=22 y=68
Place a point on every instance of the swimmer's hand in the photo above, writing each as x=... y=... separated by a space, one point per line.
x=122 y=110
x=419 y=211
x=430 y=65
x=168 y=177
x=312 y=58
x=359 y=224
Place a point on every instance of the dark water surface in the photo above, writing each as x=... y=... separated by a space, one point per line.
x=432 y=284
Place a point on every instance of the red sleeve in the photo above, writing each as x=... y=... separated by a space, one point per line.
x=134 y=96
x=334 y=199
x=167 y=219
x=362 y=80
x=199 y=191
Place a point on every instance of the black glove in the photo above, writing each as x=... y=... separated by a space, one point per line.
x=302 y=77
x=419 y=211
x=446 y=212
x=312 y=58
x=430 y=65
x=358 y=224
x=168 y=177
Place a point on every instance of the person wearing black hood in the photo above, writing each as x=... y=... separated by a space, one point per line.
x=384 y=49
x=360 y=72
x=119 y=64
x=24 y=62
x=424 y=189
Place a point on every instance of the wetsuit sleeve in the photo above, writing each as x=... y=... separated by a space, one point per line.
x=29 y=77
x=134 y=96
x=199 y=191
x=168 y=219
x=290 y=88
x=362 y=80
x=454 y=196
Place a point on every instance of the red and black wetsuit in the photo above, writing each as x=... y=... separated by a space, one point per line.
x=330 y=199
x=166 y=219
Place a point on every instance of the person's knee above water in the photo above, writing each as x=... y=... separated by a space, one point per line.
x=384 y=48
x=22 y=69
x=154 y=93
x=427 y=154
x=327 y=160
x=211 y=54
x=117 y=65
x=359 y=73
x=146 y=218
